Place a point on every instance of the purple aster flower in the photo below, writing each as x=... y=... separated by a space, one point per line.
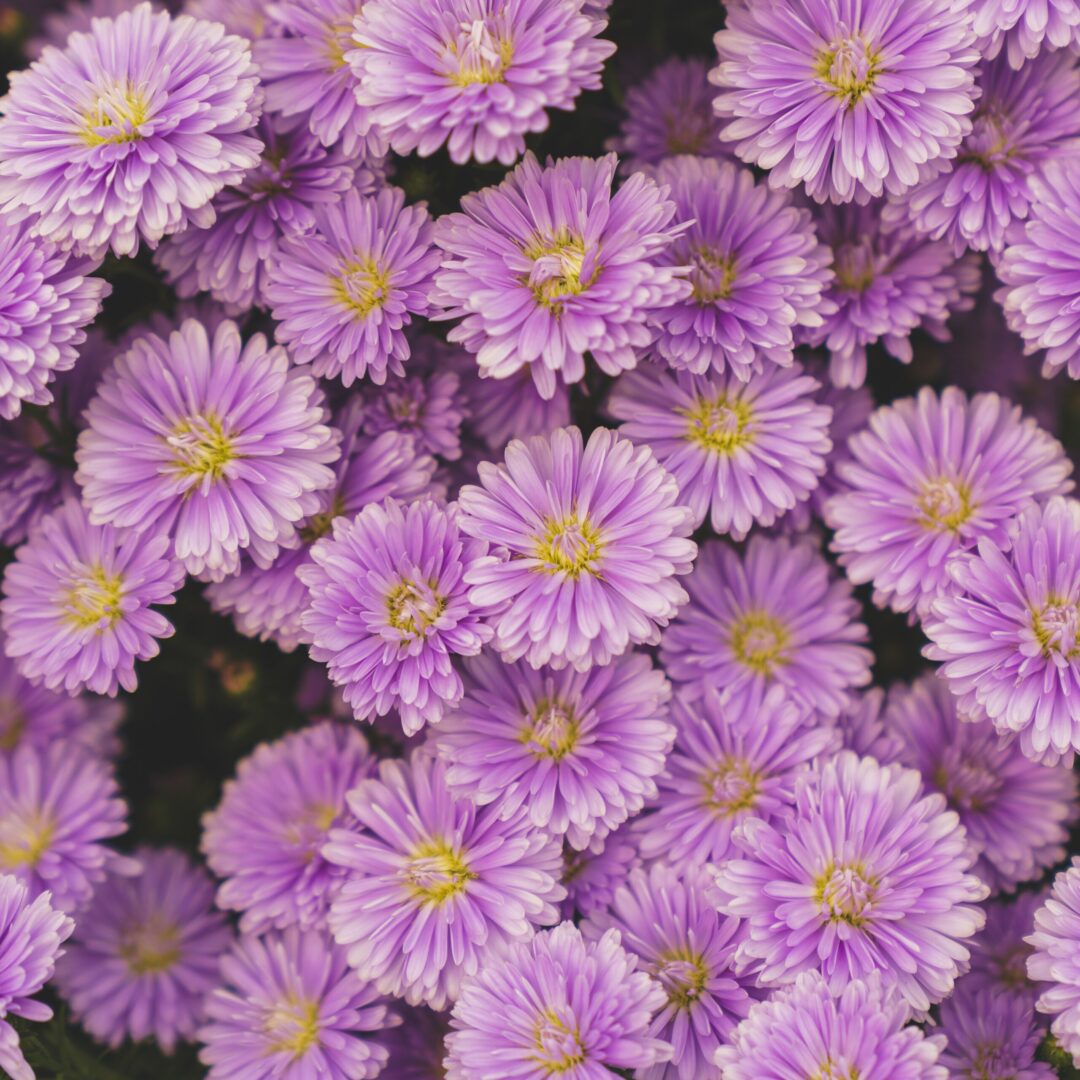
x=248 y=18
x=145 y=952
x=731 y=762
x=999 y=952
x=666 y=919
x=78 y=602
x=57 y=807
x=32 y=483
x=268 y=602
x=776 y=615
x=416 y=1046
x=129 y=132
x=668 y=113
x=757 y=271
x=305 y=74
x=991 y=1036
x=867 y=875
x=273 y=202
x=289 y=1007
x=928 y=479
x=848 y=97
x=1023 y=119
x=862 y=728
x=1024 y=28
x=390 y=606
x=1055 y=958
x=596 y=538
x=31 y=934
x=742 y=453
x=1017 y=813
x=221 y=445
x=1008 y=641
x=265 y=836
x=550 y=265
x=46 y=300
x=805 y=1030
x=477 y=75
x=556 y=1006
x=434 y=885
x=888 y=283
x=344 y=293
x=512 y=408
x=75 y=17
x=580 y=750
x=1040 y=270
x=591 y=876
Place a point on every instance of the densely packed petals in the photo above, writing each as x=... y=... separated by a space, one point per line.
x=1054 y=962
x=1024 y=28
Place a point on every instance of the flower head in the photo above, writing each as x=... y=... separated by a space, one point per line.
x=550 y=265
x=596 y=538
x=757 y=271
x=556 y=1006
x=1055 y=958
x=1025 y=28
x=145 y=115
x=248 y=18
x=31 y=933
x=731 y=762
x=223 y=446
x=862 y=728
x=477 y=75
x=57 y=808
x=288 y=1006
x=928 y=479
x=76 y=16
x=580 y=750
x=867 y=875
x=667 y=920
x=145 y=952
x=512 y=408
x=592 y=875
x=846 y=97
x=1000 y=951
x=390 y=606
x=774 y=615
x=1009 y=639
x=78 y=602
x=806 y=1030
x=433 y=885
x=344 y=293
x=265 y=837
x=742 y=453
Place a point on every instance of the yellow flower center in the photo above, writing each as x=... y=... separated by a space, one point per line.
x=855 y=265
x=150 y=947
x=319 y=525
x=414 y=607
x=559 y=1046
x=201 y=447
x=552 y=730
x=115 y=117
x=687 y=131
x=437 y=872
x=570 y=546
x=720 y=425
x=834 y=1070
x=308 y=830
x=944 y=505
x=849 y=67
x=293 y=1027
x=93 y=599
x=23 y=840
x=712 y=275
x=968 y=784
x=683 y=975
x=731 y=786
x=758 y=641
x=361 y=287
x=844 y=892
x=339 y=41
x=1056 y=626
x=477 y=57
x=558 y=269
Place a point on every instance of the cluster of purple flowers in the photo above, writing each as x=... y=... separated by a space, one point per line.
x=579 y=499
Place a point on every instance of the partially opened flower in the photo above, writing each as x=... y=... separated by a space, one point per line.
x=1055 y=958
x=477 y=75
x=1024 y=28
x=597 y=537
x=265 y=837
x=129 y=132
x=145 y=952
x=867 y=876
x=742 y=453
x=58 y=807
x=757 y=271
x=434 y=886
x=928 y=479
x=580 y=750
x=512 y=408
x=76 y=16
x=1000 y=951
x=666 y=919
x=344 y=293
x=248 y=18
x=847 y=97
x=221 y=445
x=1017 y=813
x=557 y=1006
x=731 y=762
x=289 y=1006
x=390 y=607
x=1007 y=639
x=862 y=728
x=31 y=933
x=806 y=1030
x=550 y=265
x=79 y=602
x=301 y=58
x=774 y=615
x=592 y=875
